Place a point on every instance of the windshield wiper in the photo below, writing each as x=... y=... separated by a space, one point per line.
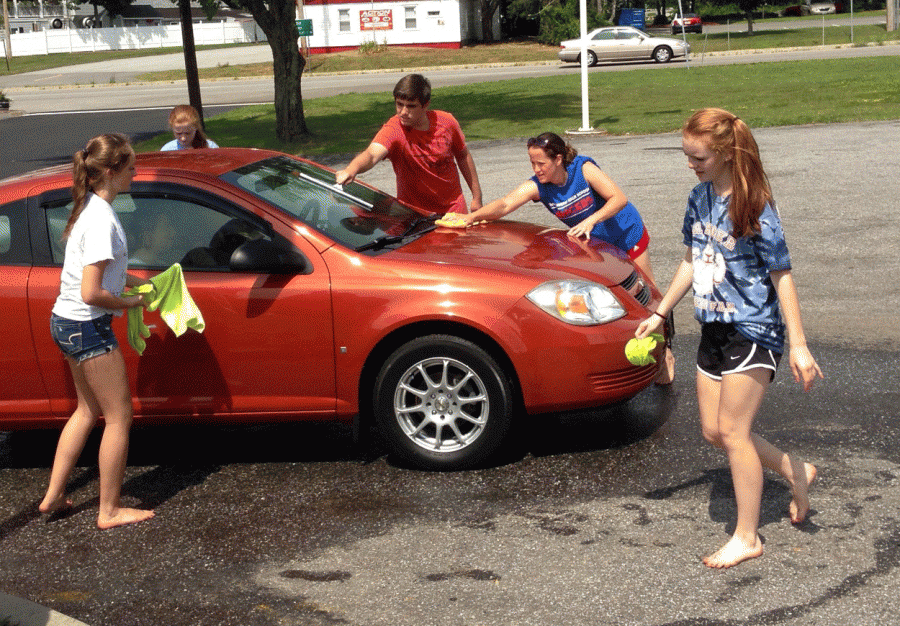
x=389 y=240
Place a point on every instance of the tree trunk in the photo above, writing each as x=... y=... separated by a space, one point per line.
x=487 y=27
x=288 y=64
x=278 y=22
x=488 y=9
x=750 y=22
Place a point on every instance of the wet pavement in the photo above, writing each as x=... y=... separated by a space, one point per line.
x=596 y=518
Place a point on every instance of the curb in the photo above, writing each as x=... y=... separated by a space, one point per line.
x=24 y=613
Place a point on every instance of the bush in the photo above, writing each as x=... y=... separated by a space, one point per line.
x=560 y=22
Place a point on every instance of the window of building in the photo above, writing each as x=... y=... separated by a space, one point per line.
x=410 y=13
x=344 y=20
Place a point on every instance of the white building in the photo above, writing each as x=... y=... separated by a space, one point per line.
x=346 y=24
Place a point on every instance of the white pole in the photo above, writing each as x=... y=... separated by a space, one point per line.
x=684 y=35
x=585 y=126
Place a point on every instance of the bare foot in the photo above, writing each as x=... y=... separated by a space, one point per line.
x=55 y=505
x=123 y=517
x=667 y=371
x=734 y=552
x=800 y=490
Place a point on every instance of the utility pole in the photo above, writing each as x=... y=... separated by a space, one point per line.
x=190 y=56
x=892 y=10
x=7 y=45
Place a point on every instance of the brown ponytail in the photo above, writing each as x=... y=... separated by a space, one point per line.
x=726 y=133
x=106 y=152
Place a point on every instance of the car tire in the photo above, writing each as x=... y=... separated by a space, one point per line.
x=57 y=23
x=592 y=58
x=442 y=403
x=662 y=54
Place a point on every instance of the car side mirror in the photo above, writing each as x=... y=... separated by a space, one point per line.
x=262 y=256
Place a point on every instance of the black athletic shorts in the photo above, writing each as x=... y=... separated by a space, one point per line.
x=724 y=350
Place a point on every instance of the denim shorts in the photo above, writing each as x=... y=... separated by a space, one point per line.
x=83 y=340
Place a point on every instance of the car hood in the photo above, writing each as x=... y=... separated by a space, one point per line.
x=518 y=248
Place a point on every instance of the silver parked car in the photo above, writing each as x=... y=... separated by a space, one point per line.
x=622 y=43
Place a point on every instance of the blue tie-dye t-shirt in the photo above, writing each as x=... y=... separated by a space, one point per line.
x=731 y=275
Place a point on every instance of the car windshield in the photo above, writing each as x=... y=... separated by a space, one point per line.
x=354 y=215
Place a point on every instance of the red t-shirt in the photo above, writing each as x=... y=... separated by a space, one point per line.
x=424 y=162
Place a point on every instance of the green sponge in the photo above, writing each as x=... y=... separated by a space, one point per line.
x=637 y=351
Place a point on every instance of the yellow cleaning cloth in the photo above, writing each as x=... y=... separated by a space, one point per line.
x=168 y=293
x=637 y=351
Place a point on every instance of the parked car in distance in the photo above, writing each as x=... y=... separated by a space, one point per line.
x=328 y=302
x=689 y=23
x=825 y=8
x=622 y=43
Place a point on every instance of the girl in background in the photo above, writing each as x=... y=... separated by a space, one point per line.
x=188 y=130
x=93 y=278
x=745 y=299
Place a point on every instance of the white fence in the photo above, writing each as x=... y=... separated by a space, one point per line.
x=53 y=41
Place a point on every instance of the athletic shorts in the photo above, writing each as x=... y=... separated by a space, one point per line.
x=724 y=350
x=638 y=249
x=83 y=340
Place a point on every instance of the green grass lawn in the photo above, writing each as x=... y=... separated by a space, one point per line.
x=621 y=103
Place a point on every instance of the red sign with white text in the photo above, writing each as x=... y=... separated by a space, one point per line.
x=376 y=19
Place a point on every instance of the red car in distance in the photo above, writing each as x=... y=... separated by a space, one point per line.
x=325 y=302
x=689 y=22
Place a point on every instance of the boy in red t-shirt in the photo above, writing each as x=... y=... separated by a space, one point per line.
x=425 y=147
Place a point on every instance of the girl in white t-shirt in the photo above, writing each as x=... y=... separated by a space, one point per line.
x=93 y=277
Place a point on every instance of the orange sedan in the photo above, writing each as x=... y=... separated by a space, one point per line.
x=325 y=302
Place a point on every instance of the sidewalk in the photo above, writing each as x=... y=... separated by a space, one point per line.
x=125 y=70
x=24 y=613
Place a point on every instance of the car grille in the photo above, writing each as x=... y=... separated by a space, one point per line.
x=635 y=286
x=611 y=382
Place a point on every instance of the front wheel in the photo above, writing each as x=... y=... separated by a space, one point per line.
x=442 y=403
x=663 y=54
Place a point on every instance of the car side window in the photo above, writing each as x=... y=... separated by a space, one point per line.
x=162 y=229
x=603 y=35
x=627 y=34
x=15 y=248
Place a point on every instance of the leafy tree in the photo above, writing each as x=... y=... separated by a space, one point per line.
x=748 y=7
x=559 y=19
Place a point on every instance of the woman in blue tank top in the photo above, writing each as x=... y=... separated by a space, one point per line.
x=579 y=193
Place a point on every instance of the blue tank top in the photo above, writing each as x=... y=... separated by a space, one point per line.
x=576 y=200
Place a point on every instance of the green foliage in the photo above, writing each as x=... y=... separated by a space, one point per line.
x=562 y=21
x=372 y=46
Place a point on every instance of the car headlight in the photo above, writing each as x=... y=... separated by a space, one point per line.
x=577 y=302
